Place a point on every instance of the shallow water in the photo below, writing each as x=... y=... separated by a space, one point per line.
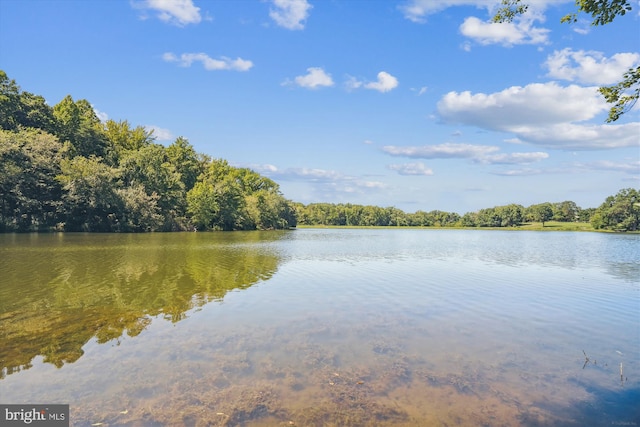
x=322 y=327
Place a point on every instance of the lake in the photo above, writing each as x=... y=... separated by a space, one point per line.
x=324 y=327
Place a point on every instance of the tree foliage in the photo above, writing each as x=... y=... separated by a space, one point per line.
x=624 y=94
x=512 y=215
x=187 y=162
x=30 y=195
x=20 y=109
x=620 y=212
x=360 y=215
x=229 y=198
x=149 y=168
x=78 y=125
x=123 y=139
x=602 y=11
x=542 y=212
x=62 y=168
x=90 y=199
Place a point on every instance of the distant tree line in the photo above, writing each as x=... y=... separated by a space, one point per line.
x=619 y=212
x=61 y=168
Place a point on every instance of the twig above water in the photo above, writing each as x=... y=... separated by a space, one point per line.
x=586 y=359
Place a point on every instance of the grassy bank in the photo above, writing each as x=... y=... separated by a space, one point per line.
x=534 y=226
x=557 y=226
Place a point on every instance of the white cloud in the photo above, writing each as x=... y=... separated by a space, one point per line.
x=521 y=172
x=520 y=31
x=569 y=136
x=411 y=169
x=420 y=91
x=352 y=83
x=630 y=167
x=385 y=83
x=161 y=134
x=544 y=114
x=589 y=67
x=485 y=154
x=583 y=26
x=442 y=151
x=418 y=10
x=325 y=181
x=316 y=77
x=517 y=108
x=176 y=12
x=313 y=174
x=514 y=158
x=210 y=64
x=267 y=168
x=102 y=116
x=290 y=14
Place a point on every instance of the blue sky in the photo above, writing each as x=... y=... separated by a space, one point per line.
x=418 y=104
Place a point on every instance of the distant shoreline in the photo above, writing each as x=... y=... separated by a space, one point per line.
x=530 y=226
x=550 y=227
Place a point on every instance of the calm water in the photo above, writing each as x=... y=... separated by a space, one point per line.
x=324 y=327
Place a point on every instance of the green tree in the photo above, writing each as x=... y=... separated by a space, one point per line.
x=122 y=139
x=217 y=204
x=469 y=219
x=149 y=167
x=443 y=219
x=488 y=217
x=420 y=219
x=91 y=201
x=229 y=198
x=216 y=200
x=619 y=212
x=29 y=192
x=184 y=158
x=202 y=205
x=36 y=113
x=20 y=109
x=622 y=95
x=584 y=215
x=140 y=211
x=566 y=211
x=375 y=215
x=263 y=210
x=540 y=213
x=231 y=204
x=9 y=103
x=78 y=124
x=396 y=217
x=510 y=215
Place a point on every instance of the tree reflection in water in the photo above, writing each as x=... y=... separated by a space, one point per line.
x=58 y=291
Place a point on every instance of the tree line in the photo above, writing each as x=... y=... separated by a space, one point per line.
x=61 y=168
x=619 y=212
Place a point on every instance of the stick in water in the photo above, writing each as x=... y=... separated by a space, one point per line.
x=621 y=374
